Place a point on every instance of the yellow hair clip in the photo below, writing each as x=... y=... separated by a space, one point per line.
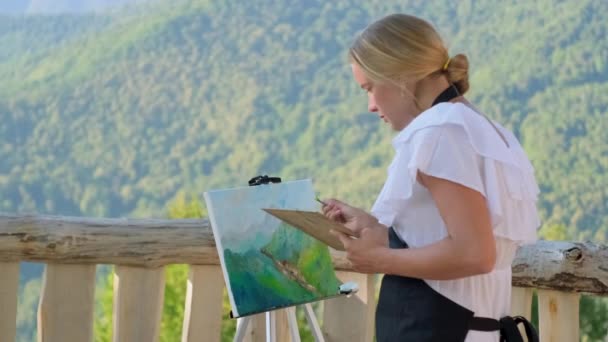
x=445 y=66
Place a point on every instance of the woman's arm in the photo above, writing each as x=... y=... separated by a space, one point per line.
x=468 y=250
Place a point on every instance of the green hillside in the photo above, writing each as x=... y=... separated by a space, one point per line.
x=113 y=115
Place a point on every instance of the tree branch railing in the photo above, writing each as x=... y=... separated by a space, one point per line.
x=140 y=248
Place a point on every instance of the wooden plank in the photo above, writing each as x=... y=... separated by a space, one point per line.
x=340 y=313
x=129 y=242
x=562 y=266
x=555 y=265
x=9 y=287
x=521 y=302
x=77 y=240
x=203 y=309
x=138 y=303
x=67 y=300
x=558 y=316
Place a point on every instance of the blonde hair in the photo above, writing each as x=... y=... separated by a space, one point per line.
x=403 y=46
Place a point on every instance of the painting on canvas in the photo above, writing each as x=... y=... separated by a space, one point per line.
x=268 y=264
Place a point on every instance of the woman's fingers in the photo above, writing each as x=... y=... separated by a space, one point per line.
x=337 y=210
x=332 y=211
x=334 y=214
x=334 y=203
x=327 y=209
x=337 y=215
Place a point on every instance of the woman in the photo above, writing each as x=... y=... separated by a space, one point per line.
x=460 y=193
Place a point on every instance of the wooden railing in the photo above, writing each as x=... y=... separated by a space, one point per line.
x=72 y=247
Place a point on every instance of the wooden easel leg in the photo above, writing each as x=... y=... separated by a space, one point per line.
x=313 y=323
x=271 y=326
x=241 y=328
x=293 y=324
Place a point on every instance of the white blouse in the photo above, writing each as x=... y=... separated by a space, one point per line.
x=454 y=142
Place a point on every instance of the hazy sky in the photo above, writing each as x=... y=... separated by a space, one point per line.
x=59 y=6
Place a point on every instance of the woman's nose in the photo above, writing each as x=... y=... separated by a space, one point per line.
x=371 y=104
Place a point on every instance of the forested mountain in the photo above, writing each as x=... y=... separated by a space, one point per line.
x=115 y=113
x=111 y=115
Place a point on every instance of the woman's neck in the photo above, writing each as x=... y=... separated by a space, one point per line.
x=429 y=88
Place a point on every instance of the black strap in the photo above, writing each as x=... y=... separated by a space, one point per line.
x=507 y=326
x=528 y=327
x=509 y=331
x=484 y=324
x=450 y=93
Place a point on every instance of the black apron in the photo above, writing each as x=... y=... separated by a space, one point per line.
x=410 y=310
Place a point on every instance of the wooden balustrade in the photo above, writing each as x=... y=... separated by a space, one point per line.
x=72 y=247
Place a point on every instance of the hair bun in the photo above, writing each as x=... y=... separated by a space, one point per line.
x=457 y=70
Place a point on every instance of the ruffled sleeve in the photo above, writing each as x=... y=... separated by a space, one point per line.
x=461 y=146
x=444 y=152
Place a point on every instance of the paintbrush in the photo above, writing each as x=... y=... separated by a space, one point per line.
x=319 y=200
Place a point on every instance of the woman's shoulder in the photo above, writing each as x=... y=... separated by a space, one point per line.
x=461 y=125
x=446 y=115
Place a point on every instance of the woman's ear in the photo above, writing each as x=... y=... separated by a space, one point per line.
x=416 y=96
x=405 y=87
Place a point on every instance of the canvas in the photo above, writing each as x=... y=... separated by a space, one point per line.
x=268 y=264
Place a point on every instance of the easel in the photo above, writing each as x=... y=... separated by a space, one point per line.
x=271 y=325
x=271 y=320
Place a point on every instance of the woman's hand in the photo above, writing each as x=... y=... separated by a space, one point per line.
x=351 y=217
x=366 y=254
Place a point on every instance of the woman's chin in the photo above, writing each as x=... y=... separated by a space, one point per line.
x=401 y=125
x=397 y=128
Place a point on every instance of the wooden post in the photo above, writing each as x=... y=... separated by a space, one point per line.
x=138 y=302
x=9 y=287
x=521 y=304
x=351 y=319
x=558 y=316
x=67 y=300
x=256 y=330
x=282 y=326
x=203 y=310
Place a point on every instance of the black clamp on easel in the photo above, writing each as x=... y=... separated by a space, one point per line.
x=258 y=180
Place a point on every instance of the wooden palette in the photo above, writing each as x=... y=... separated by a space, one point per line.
x=312 y=223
